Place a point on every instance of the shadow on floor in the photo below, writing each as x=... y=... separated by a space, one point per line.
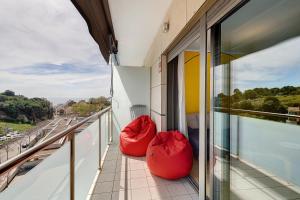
x=128 y=178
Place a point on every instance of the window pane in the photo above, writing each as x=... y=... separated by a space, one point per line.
x=257 y=102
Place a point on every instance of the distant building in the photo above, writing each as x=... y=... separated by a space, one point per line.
x=60 y=109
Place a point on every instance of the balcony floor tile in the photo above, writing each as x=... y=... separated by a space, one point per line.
x=103 y=196
x=128 y=178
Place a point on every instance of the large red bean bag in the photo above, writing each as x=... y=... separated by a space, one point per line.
x=136 y=136
x=170 y=155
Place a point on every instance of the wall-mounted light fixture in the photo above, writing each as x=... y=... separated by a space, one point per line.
x=166 y=27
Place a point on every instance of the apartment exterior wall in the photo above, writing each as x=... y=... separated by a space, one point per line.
x=131 y=86
x=178 y=15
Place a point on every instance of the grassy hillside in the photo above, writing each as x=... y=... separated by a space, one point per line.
x=15 y=126
x=18 y=108
x=84 y=108
x=272 y=100
x=289 y=100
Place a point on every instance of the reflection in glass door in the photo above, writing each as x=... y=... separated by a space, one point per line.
x=221 y=123
x=256 y=102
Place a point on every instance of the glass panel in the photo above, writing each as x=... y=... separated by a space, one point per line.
x=191 y=90
x=86 y=159
x=104 y=133
x=221 y=133
x=257 y=102
x=48 y=180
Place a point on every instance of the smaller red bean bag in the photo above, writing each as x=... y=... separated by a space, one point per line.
x=170 y=155
x=136 y=136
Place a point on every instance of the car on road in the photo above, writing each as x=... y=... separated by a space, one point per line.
x=14 y=134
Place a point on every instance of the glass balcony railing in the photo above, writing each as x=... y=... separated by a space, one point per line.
x=264 y=150
x=67 y=173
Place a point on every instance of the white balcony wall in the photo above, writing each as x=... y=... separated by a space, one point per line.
x=131 y=87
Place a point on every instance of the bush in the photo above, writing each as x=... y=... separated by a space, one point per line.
x=17 y=106
x=8 y=93
x=246 y=105
x=272 y=104
x=83 y=108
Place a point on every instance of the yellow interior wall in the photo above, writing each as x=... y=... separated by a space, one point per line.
x=192 y=74
x=192 y=81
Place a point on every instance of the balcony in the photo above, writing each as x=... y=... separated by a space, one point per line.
x=128 y=178
x=83 y=169
x=91 y=167
x=69 y=171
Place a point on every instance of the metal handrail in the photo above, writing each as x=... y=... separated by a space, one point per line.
x=258 y=112
x=23 y=157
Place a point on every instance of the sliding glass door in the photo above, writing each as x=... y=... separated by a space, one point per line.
x=255 y=132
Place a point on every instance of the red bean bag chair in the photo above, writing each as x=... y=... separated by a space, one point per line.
x=136 y=136
x=170 y=155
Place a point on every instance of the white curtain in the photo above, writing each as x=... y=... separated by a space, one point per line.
x=181 y=96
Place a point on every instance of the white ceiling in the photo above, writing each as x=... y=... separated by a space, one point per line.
x=260 y=24
x=136 y=23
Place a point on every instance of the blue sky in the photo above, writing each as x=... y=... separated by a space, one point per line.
x=47 y=51
x=276 y=66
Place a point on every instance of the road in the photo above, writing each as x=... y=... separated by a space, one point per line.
x=54 y=126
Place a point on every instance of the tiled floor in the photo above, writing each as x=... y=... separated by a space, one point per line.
x=128 y=178
x=248 y=183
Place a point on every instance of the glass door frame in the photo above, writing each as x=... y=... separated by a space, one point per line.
x=198 y=31
x=218 y=13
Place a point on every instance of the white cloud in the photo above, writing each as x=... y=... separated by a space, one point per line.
x=279 y=57
x=269 y=66
x=276 y=66
x=35 y=32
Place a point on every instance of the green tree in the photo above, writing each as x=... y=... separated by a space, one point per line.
x=237 y=95
x=84 y=109
x=272 y=104
x=250 y=94
x=8 y=93
x=246 y=105
x=99 y=100
x=2 y=98
x=19 y=108
x=274 y=91
x=261 y=92
x=287 y=90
